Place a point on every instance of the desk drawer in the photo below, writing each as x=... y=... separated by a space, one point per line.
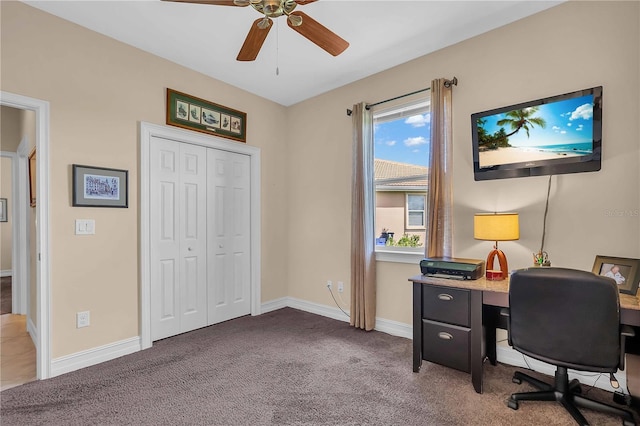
x=446 y=304
x=446 y=344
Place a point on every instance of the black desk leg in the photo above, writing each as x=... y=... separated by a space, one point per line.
x=490 y=315
x=477 y=357
x=417 y=327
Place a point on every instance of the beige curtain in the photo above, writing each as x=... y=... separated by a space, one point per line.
x=363 y=265
x=439 y=192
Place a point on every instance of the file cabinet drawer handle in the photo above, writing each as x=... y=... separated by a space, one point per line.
x=446 y=297
x=445 y=336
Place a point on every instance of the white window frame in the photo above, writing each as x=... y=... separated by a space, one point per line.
x=407 y=225
x=411 y=255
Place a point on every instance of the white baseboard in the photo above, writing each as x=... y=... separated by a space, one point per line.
x=95 y=356
x=507 y=355
x=6 y=273
x=33 y=331
x=273 y=305
x=394 y=328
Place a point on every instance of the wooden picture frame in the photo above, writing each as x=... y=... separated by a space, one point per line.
x=625 y=271
x=193 y=113
x=4 y=217
x=32 y=178
x=99 y=187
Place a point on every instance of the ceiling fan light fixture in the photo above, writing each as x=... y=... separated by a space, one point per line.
x=295 y=20
x=272 y=8
x=264 y=23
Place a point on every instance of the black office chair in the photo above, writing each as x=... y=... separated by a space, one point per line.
x=570 y=319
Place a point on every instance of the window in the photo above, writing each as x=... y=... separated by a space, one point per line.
x=416 y=211
x=401 y=150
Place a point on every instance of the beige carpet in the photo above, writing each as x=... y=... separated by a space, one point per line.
x=285 y=367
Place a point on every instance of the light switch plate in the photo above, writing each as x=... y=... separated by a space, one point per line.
x=85 y=226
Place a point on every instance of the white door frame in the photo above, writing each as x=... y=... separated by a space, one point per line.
x=147 y=132
x=43 y=252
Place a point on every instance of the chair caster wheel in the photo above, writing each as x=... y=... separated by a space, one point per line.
x=516 y=380
x=512 y=403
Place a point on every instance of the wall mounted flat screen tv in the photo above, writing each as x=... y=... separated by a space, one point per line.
x=555 y=135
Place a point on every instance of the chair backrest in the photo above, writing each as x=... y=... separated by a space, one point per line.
x=565 y=317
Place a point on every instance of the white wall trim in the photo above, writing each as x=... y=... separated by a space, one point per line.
x=394 y=328
x=43 y=251
x=24 y=215
x=78 y=360
x=274 y=305
x=147 y=132
x=33 y=332
x=6 y=273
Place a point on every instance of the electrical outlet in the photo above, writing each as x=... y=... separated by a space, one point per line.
x=340 y=286
x=82 y=319
x=329 y=284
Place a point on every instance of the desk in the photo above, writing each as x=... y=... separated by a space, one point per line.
x=454 y=319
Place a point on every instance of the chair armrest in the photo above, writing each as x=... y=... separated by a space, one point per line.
x=625 y=331
x=504 y=312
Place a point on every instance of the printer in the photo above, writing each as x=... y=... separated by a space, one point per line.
x=449 y=267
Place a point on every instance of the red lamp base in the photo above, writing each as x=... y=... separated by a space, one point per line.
x=493 y=274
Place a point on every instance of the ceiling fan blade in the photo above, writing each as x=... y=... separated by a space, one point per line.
x=254 y=41
x=302 y=2
x=319 y=34
x=214 y=2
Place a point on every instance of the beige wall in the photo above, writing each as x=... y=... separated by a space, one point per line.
x=9 y=140
x=99 y=89
x=6 y=234
x=573 y=46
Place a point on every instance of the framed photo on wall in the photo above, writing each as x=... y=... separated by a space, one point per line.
x=99 y=187
x=625 y=272
x=3 y=210
x=190 y=112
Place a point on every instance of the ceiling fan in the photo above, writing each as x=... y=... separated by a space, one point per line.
x=298 y=21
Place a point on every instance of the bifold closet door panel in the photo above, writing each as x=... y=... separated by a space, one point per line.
x=229 y=230
x=178 y=237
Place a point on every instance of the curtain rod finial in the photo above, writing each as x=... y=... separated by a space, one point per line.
x=349 y=112
x=452 y=82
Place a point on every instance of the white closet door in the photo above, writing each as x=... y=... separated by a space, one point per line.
x=178 y=237
x=229 y=254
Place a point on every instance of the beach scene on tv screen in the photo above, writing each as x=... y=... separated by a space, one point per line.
x=545 y=132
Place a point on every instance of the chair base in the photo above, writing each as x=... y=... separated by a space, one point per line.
x=566 y=393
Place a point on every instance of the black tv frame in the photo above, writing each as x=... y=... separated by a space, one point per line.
x=584 y=163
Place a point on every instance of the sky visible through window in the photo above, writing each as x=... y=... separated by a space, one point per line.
x=405 y=140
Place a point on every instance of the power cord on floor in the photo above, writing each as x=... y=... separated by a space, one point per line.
x=336 y=302
x=617 y=390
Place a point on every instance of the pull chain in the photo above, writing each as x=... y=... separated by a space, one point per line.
x=277 y=46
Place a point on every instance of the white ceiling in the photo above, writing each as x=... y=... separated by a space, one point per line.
x=207 y=38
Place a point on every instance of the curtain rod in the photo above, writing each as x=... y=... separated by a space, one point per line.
x=447 y=84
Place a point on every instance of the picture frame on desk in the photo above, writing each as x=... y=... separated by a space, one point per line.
x=625 y=271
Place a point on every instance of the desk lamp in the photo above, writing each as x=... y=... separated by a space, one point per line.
x=496 y=227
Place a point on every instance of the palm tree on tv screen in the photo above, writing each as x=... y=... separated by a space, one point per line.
x=517 y=119
x=522 y=119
